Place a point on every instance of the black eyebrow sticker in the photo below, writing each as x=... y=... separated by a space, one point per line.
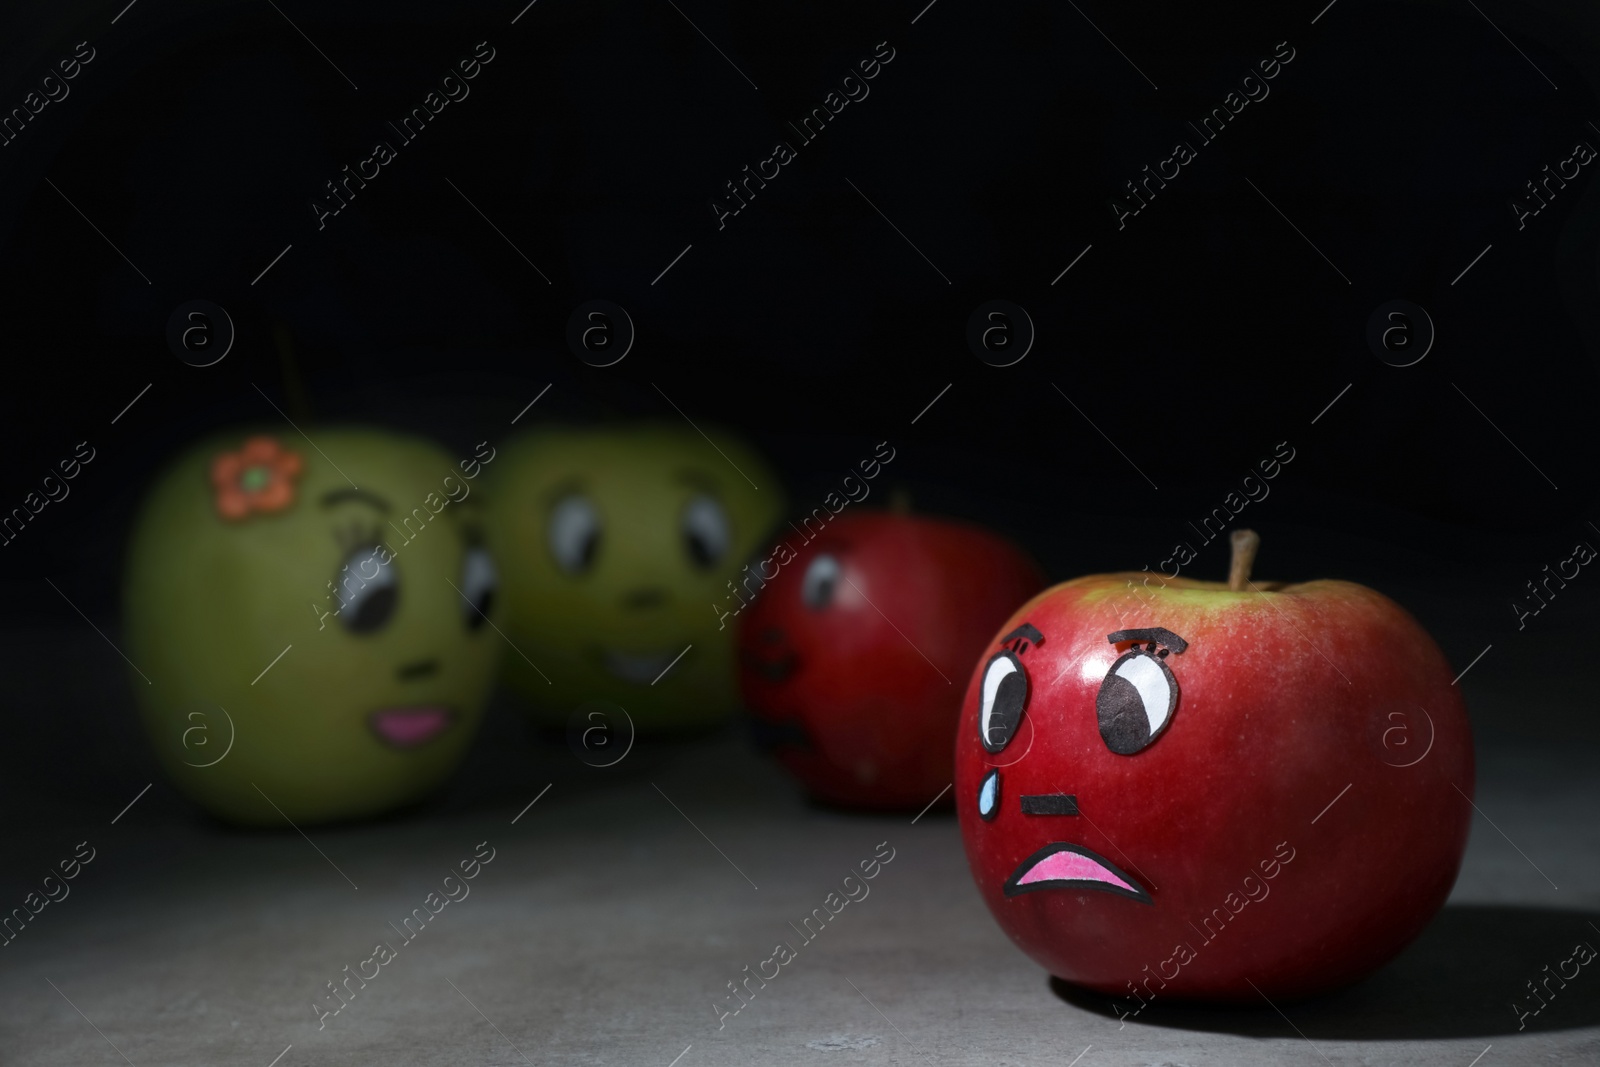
x=1154 y=634
x=1026 y=631
x=339 y=496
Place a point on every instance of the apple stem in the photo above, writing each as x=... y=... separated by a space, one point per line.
x=1245 y=543
x=900 y=500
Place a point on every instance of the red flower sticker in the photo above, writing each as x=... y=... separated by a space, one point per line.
x=257 y=478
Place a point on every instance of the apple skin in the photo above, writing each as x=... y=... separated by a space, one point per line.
x=208 y=603
x=1266 y=733
x=861 y=719
x=605 y=630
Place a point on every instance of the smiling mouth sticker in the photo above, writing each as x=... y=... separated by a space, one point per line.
x=1066 y=866
x=410 y=727
x=639 y=668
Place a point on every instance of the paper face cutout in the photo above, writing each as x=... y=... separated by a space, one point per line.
x=1134 y=705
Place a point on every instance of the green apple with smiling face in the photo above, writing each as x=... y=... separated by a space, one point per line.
x=615 y=543
x=315 y=637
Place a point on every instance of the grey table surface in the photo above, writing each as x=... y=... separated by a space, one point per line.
x=619 y=905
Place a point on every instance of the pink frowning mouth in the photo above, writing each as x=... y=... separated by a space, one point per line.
x=410 y=727
x=1064 y=866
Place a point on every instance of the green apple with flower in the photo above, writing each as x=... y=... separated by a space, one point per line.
x=311 y=639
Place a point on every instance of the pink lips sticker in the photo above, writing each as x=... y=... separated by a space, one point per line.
x=409 y=727
x=1065 y=866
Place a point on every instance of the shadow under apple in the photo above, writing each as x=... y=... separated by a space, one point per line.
x=1466 y=975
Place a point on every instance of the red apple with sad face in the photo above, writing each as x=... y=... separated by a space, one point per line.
x=1188 y=790
x=851 y=658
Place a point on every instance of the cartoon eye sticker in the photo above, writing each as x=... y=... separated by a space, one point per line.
x=707 y=533
x=1004 y=696
x=369 y=608
x=479 y=580
x=1137 y=699
x=575 y=533
x=821 y=578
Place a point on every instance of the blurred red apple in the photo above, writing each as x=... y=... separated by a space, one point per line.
x=1194 y=791
x=852 y=656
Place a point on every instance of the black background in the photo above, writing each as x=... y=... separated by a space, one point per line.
x=1196 y=338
